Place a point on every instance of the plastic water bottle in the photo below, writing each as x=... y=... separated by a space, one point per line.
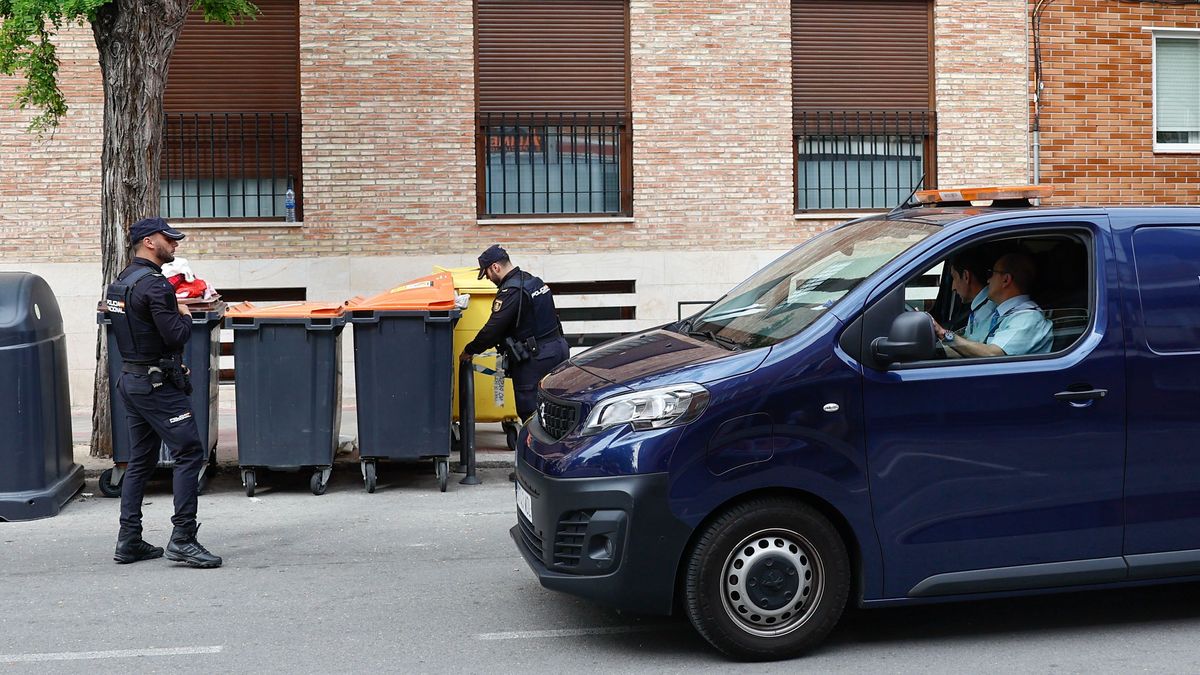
x=289 y=203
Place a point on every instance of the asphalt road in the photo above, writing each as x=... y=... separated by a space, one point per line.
x=412 y=580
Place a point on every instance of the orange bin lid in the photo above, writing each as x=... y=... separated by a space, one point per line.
x=434 y=292
x=291 y=310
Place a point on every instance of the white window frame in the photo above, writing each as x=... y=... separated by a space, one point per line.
x=1176 y=33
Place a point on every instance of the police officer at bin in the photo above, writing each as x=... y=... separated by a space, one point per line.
x=523 y=324
x=152 y=329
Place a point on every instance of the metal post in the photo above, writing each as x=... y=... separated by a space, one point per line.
x=466 y=422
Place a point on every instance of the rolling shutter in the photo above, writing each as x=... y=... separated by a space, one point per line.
x=251 y=67
x=550 y=56
x=869 y=57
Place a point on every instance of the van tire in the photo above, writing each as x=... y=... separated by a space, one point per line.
x=784 y=549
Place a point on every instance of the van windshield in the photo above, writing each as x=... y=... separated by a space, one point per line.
x=789 y=294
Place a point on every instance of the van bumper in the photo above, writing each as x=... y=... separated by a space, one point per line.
x=612 y=540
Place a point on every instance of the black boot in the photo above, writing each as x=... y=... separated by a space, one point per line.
x=184 y=548
x=132 y=548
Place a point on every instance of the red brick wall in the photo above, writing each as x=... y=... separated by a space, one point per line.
x=1098 y=107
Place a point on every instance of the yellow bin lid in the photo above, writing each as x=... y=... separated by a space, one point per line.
x=466 y=280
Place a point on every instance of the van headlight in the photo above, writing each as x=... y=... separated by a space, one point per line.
x=650 y=409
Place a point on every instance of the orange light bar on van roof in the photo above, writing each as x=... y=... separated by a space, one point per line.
x=983 y=194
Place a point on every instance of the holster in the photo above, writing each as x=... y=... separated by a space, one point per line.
x=520 y=351
x=173 y=372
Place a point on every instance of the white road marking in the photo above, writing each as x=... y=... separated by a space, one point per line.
x=111 y=654
x=568 y=632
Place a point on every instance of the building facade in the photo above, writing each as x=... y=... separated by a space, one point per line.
x=669 y=147
x=1120 y=100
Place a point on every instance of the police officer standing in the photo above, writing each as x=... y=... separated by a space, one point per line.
x=152 y=329
x=523 y=324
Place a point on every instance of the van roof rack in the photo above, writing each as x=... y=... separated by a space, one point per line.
x=1007 y=196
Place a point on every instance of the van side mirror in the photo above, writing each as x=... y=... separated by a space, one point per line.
x=911 y=338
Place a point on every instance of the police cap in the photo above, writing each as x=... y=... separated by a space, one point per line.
x=148 y=226
x=493 y=254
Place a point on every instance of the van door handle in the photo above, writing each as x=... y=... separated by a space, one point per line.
x=1077 y=395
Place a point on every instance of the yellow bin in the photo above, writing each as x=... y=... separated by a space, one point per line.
x=476 y=314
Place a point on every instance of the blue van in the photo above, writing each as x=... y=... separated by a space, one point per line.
x=807 y=440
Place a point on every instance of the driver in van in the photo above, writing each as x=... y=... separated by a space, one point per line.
x=969 y=280
x=1018 y=326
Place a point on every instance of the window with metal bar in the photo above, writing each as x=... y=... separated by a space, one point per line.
x=231 y=125
x=229 y=165
x=541 y=163
x=857 y=160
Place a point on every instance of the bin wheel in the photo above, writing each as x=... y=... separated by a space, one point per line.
x=369 y=476
x=106 y=487
x=442 y=468
x=248 y=480
x=510 y=434
x=318 y=488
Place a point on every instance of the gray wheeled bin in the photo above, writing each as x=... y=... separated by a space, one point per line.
x=288 y=384
x=201 y=355
x=38 y=473
x=404 y=372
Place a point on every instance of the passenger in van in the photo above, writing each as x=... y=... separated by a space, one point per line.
x=1018 y=326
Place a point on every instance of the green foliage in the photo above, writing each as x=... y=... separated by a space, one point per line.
x=26 y=49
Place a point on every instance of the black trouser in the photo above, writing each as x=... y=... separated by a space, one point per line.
x=158 y=415
x=527 y=375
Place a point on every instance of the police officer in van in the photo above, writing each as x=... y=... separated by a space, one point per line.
x=523 y=324
x=152 y=329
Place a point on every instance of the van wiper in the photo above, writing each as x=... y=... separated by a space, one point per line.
x=728 y=343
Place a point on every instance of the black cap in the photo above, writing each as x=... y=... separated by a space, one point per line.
x=493 y=254
x=148 y=226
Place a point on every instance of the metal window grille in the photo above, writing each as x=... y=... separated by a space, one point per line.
x=847 y=160
x=234 y=165
x=553 y=163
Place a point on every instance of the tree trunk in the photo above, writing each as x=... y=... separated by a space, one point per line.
x=135 y=39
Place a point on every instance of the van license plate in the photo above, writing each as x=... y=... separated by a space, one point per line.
x=524 y=503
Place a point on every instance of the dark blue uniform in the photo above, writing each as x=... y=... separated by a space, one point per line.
x=151 y=335
x=524 y=311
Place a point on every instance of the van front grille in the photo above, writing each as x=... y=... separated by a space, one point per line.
x=557 y=417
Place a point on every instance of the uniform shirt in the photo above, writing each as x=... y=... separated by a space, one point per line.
x=1020 y=328
x=503 y=321
x=979 y=321
x=158 y=296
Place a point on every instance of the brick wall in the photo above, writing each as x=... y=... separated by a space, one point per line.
x=50 y=186
x=980 y=64
x=1098 y=108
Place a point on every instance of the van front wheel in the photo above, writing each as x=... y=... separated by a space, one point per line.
x=767 y=580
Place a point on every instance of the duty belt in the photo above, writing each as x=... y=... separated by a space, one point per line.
x=139 y=368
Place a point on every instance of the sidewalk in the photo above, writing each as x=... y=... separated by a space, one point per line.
x=490 y=448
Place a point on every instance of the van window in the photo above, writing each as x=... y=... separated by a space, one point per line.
x=1167 y=260
x=790 y=293
x=1054 y=316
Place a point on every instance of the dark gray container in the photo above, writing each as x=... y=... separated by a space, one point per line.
x=38 y=473
x=288 y=384
x=202 y=356
x=404 y=377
